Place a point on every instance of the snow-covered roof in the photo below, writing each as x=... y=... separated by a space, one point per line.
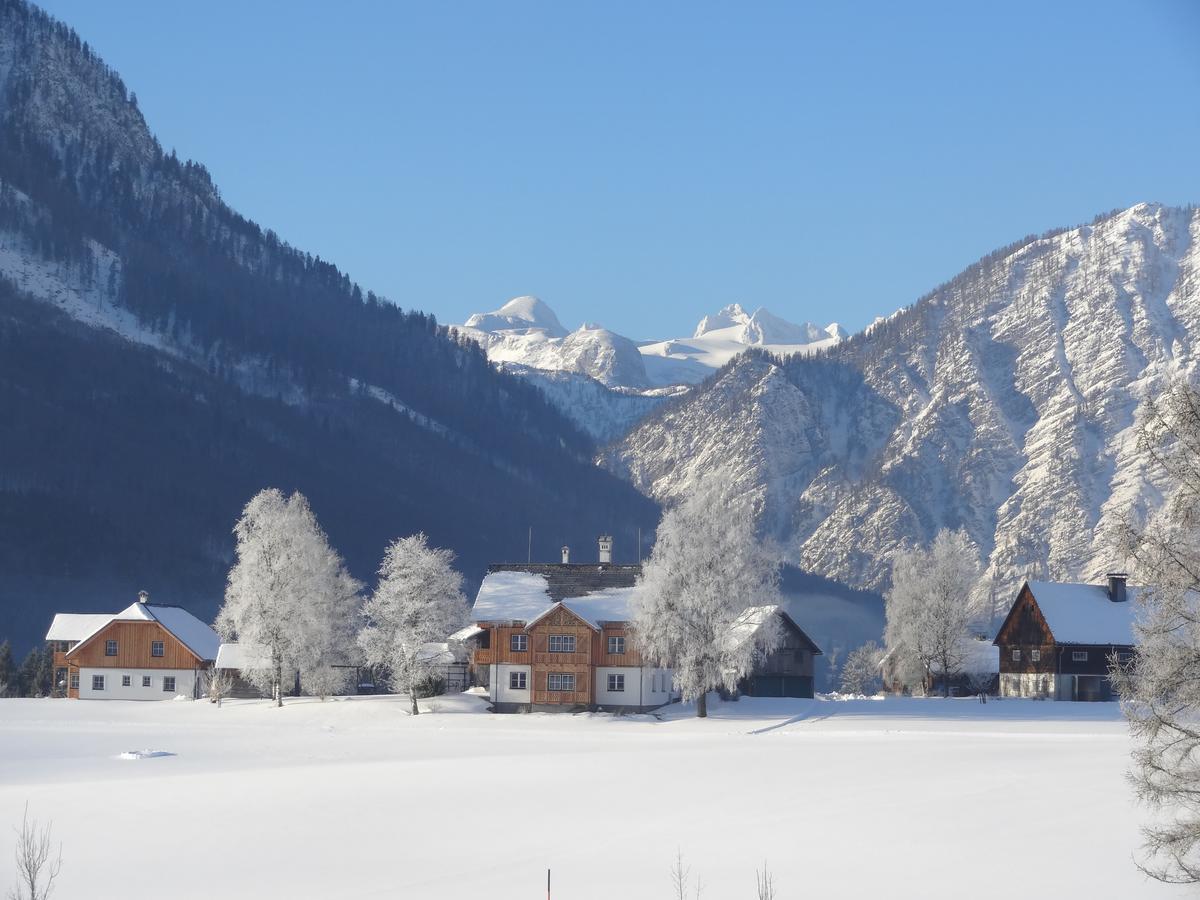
x=465 y=634
x=438 y=654
x=980 y=656
x=76 y=626
x=749 y=622
x=241 y=656
x=521 y=596
x=186 y=628
x=1084 y=614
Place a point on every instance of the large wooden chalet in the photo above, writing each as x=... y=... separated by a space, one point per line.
x=556 y=637
x=1059 y=640
x=145 y=652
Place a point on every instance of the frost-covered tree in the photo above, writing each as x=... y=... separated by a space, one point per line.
x=930 y=607
x=8 y=669
x=418 y=601
x=860 y=672
x=288 y=595
x=707 y=567
x=1160 y=686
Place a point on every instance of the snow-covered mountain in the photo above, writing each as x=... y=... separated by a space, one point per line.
x=1004 y=402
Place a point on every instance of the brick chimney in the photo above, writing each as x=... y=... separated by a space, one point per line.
x=606 y=548
x=566 y=552
x=1116 y=586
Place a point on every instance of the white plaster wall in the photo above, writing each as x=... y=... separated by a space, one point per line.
x=1026 y=684
x=654 y=684
x=185 y=682
x=501 y=692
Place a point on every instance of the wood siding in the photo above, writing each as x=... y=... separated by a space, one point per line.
x=561 y=621
x=600 y=653
x=1025 y=629
x=133 y=649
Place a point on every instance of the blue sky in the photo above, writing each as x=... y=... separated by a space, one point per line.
x=641 y=164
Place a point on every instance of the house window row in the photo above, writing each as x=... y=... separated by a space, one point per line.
x=518 y=643
x=562 y=643
x=168 y=682
x=616 y=683
x=157 y=648
x=616 y=644
x=516 y=681
x=1036 y=655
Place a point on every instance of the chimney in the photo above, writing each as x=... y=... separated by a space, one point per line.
x=143 y=596
x=566 y=552
x=606 y=548
x=1116 y=586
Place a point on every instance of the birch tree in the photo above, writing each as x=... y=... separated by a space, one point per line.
x=707 y=567
x=418 y=601
x=1160 y=686
x=288 y=595
x=930 y=607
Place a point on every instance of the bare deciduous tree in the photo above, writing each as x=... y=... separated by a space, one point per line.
x=766 y=883
x=37 y=862
x=220 y=683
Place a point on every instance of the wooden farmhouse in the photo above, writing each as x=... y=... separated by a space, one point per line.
x=1058 y=640
x=145 y=652
x=552 y=637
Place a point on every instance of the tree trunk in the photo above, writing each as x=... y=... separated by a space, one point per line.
x=412 y=693
x=702 y=706
x=279 y=684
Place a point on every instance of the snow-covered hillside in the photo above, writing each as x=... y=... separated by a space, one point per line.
x=353 y=798
x=1005 y=402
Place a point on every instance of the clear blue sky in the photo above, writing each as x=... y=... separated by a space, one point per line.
x=640 y=164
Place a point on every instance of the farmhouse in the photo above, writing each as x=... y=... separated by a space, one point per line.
x=145 y=652
x=556 y=638
x=1058 y=639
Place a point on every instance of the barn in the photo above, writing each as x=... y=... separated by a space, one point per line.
x=787 y=671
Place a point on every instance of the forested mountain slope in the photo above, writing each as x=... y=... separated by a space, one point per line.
x=162 y=358
x=1004 y=402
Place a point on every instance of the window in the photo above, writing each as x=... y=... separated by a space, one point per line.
x=75 y=681
x=1017 y=655
x=1035 y=655
x=145 y=681
x=560 y=682
x=156 y=648
x=518 y=643
x=126 y=681
x=616 y=682
x=516 y=681
x=110 y=648
x=616 y=645
x=97 y=682
x=1078 y=656
x=562 y=643
x=169 y=684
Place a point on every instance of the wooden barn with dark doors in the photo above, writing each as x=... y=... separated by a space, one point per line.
x=1058 y=640
x=788 y=670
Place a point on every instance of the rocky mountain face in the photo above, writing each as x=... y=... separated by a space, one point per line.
x=1004 y=402
x=162 y=358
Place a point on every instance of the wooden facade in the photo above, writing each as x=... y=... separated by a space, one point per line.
x=1026 y=631
x=135 y=642
x=787 y=671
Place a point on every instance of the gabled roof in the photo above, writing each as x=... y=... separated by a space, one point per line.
x=751 y=621
x=241 y=657
x=525 y=593
x=196 y=636
x=552 y=607
x=76 y=626
x=1084 y=614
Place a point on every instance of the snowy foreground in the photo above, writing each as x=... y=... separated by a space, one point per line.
x=354 y=798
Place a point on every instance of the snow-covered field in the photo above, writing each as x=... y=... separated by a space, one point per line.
x=354 y=798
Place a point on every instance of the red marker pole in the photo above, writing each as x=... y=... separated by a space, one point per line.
x=547 y=884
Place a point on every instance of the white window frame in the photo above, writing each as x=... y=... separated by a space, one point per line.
x=1079 y=656
x=566 y=643
x=126 y=681
x=1016 y=654
x=158 y=649
x=616 y=644
x=1035 y=655
x=168 y=684
x=561 y=679
x=111 y=647
x=97 y=682
x=616 y=683
x=518 y=643
x=522 y=683
x=73 y=680
x=145 y=681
